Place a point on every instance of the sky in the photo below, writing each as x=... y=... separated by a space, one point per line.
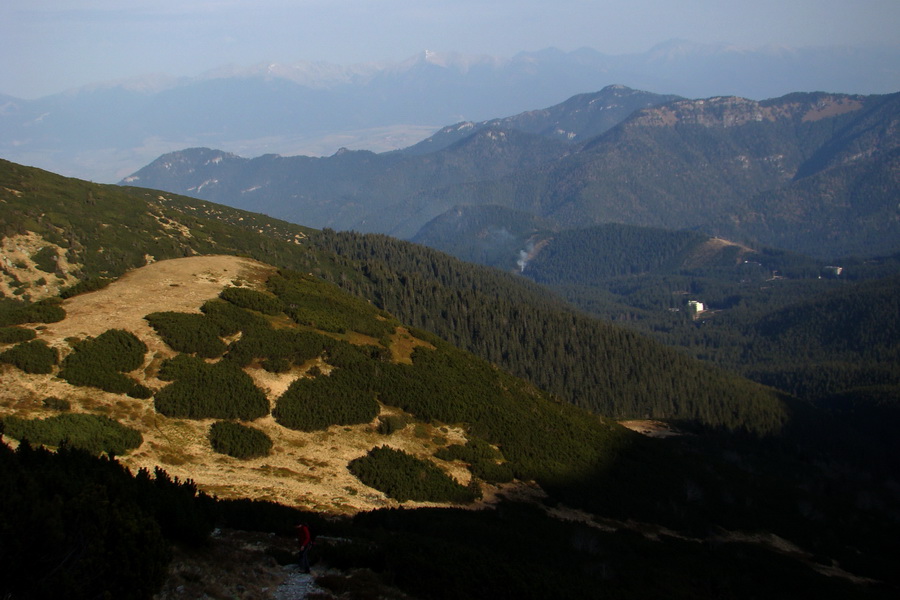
x=48 y=46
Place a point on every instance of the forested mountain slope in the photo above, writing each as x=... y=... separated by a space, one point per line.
x=591 y=363
x=801 y=325
x=274 y=376
x=299 y=357
x=499 y=317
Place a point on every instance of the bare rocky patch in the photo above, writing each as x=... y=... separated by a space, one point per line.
x=708 y=253
x=19 y=272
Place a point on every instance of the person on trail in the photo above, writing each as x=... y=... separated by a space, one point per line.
x=304 y=540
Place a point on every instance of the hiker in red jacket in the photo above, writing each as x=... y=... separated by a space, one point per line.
x=304 y=539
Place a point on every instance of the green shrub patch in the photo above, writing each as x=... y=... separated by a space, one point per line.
x=203 y=391
x=180 y=366
x=32 y=357
x=230 y=318
x=60 y=404
x=277 y=344
x=115 y=349
x=239 y=440
x=252 y=299
x=483 y=459
x=45 y=259
x=15 y=312
x=391 y=423
x=93 y=433
x=276 y=365
x=311 y=301
x=188 y=332
x=14 y=335
x=86 y=285
x=404 y=477
x=314 y=404
x=102 y=361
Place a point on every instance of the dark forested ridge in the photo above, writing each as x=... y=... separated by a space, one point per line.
x=85 y=527
x=803 y=325
x=115 y=536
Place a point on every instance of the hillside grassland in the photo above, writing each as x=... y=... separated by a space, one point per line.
x=308 y=468
x=443 y=388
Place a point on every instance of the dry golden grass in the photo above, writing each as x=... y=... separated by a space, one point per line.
x=304 y=469
x=709 y=251
x=402 y=345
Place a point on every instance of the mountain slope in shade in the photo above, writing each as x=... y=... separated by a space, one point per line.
x=391 y=193
x=700 y=157
x=489 y=235
x=818 y=165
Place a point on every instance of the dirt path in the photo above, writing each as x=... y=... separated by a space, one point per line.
x=296 y=586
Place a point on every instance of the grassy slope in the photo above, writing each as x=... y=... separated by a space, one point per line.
x=180 y=443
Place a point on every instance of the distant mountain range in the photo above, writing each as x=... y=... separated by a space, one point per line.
x=105 y=132
x=814 y=173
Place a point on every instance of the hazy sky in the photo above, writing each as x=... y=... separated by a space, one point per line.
x=52 y=45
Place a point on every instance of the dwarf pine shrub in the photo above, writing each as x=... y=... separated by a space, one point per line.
x=14 y=335
x=93 y=433
x=239 y=441
x=32 y=357
x=405 y=477
x=101 y=362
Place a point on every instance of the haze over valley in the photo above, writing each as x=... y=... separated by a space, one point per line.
x=106 y=131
